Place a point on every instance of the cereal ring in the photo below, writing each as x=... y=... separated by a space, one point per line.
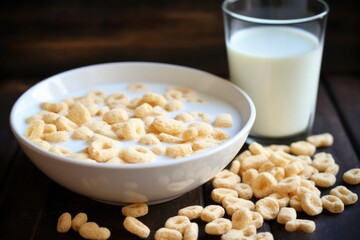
x=82 y=133
x=249 y=175
x=174 y=105
x=235 y=167
x=307 y=226
x=295 y=203
x=64 y=223
x=218 y=226
x=63 y=123
x=49 y=128
x=158 y=150
x=59 y=136
x=241 y=218
x=191 y=231
x=249 y=231
x=311 y=203
x=192 y=212
x=41 y=143
x=167 y=138
x=286 y=214
x=282 y=198
x=204 y=129
x=35 y=129
x=278 y=147
x=323 y=179
x=302 y=148
x=78 y=220
x=279 y=160
x=135 y=210
x=263 y=236
x=277 y=172
x=102 y=149
x=79 y=114
x=333 y=169
x=137 y=154
x=184 y=117
x=212 y=212
x=137 y=87
x=189 y=134
x=294 y=168
x=218 y=194
x=172 y=94
x=346 y=196
x=244 y=190
x=219 y=134
x=257 y=219
x=167 y=234
x=332 y=203
x=202 y=116
x=256 y=149
x=263 y=185
x=60 y=150
x=253 y=161
x=268 y=207
x=288 y=185
x=91 y=230
x=321 y=140
x=54 y=107
x=178 y=150
x=168 y=125
x=143 y=110
x=202 y=144
x=116 y=100
x=352 y=176
x=136 y=227
x=153 y=99
x=225 y=179
x=233 y=234
x=223 y=120
x=49 y=117
x=322 y=161
x=232 y=204
x=178 y=223
x=149 y=139
x=115 y=115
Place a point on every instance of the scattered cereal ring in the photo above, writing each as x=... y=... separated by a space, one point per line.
x=286 y=214
x=352 y=176
x=346 y=196
x=91 y=230
x=191 y=231
x=212 y=212
x=167 y=234
x=268 y=207
x=178 y=223
x=192 y=212
x=218 y=226
x=64 y=223
x=78 y=220
x=135 y=210
x=321 y=140
x=332 y=203
x=307 y=226
x=136 y=227
x=137 y=154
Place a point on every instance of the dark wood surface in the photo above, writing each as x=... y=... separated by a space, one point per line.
x=41 y=38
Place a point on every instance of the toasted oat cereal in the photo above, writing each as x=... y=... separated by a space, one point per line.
x=154 y=99
x=244 y=190
x=332 y=203
x=143 y=110
x=322 y=161
x=263 y=236
x=64 y=223
x=191 y=231
x=321 y=140
x=82 y=133
x=184 y=117
x=116 y=100
x=167 y=138
x=225 y=179
x=90 y=230
x=60 y=150
x=189 y=134
x=323 y=179
x=178 y=150
x=167 y=234
x=49 y=128
x=346 y=196
x=218 y=194
x=249 y=175
x=55 y=137
x=115 y=115
x=136 y=227
x=158 y=150
x=191 y=212
x=135 y=210
x=137 y=154
x=232 y=204
x=35 y=129
x=268 y=207
x=241 y=218
x=138 y=87
x=178 y=223
x=352 y=176
x=233 y=234
x=174 y=105
x=212 y=212
x=54 y=107
x=223 y=120
x=79 y=114
x=78 y=220
x=102 y=149
x=307 y=226
x=286 y=214
x=41 y=143
x=302 y=148
x=311 y=203
x=149 y=139
x=263 y=185
x=218 y=226
x=168 y=125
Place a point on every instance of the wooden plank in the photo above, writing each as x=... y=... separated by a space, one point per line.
x=345 y=92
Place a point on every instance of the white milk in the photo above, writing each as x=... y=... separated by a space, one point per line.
x=279 y=68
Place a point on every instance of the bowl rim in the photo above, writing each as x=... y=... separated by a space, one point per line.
x=203 y=154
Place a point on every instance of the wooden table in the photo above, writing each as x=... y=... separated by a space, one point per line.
x=42 y=38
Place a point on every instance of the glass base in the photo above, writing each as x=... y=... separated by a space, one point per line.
x=277 y=140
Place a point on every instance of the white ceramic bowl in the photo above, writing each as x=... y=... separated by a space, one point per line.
x=152 y=182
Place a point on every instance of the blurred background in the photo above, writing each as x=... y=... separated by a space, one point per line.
x=39 y=38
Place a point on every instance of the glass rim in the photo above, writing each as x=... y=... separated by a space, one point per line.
x=275 y=21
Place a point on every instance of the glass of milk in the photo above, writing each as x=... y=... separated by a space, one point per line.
x=274 y=50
